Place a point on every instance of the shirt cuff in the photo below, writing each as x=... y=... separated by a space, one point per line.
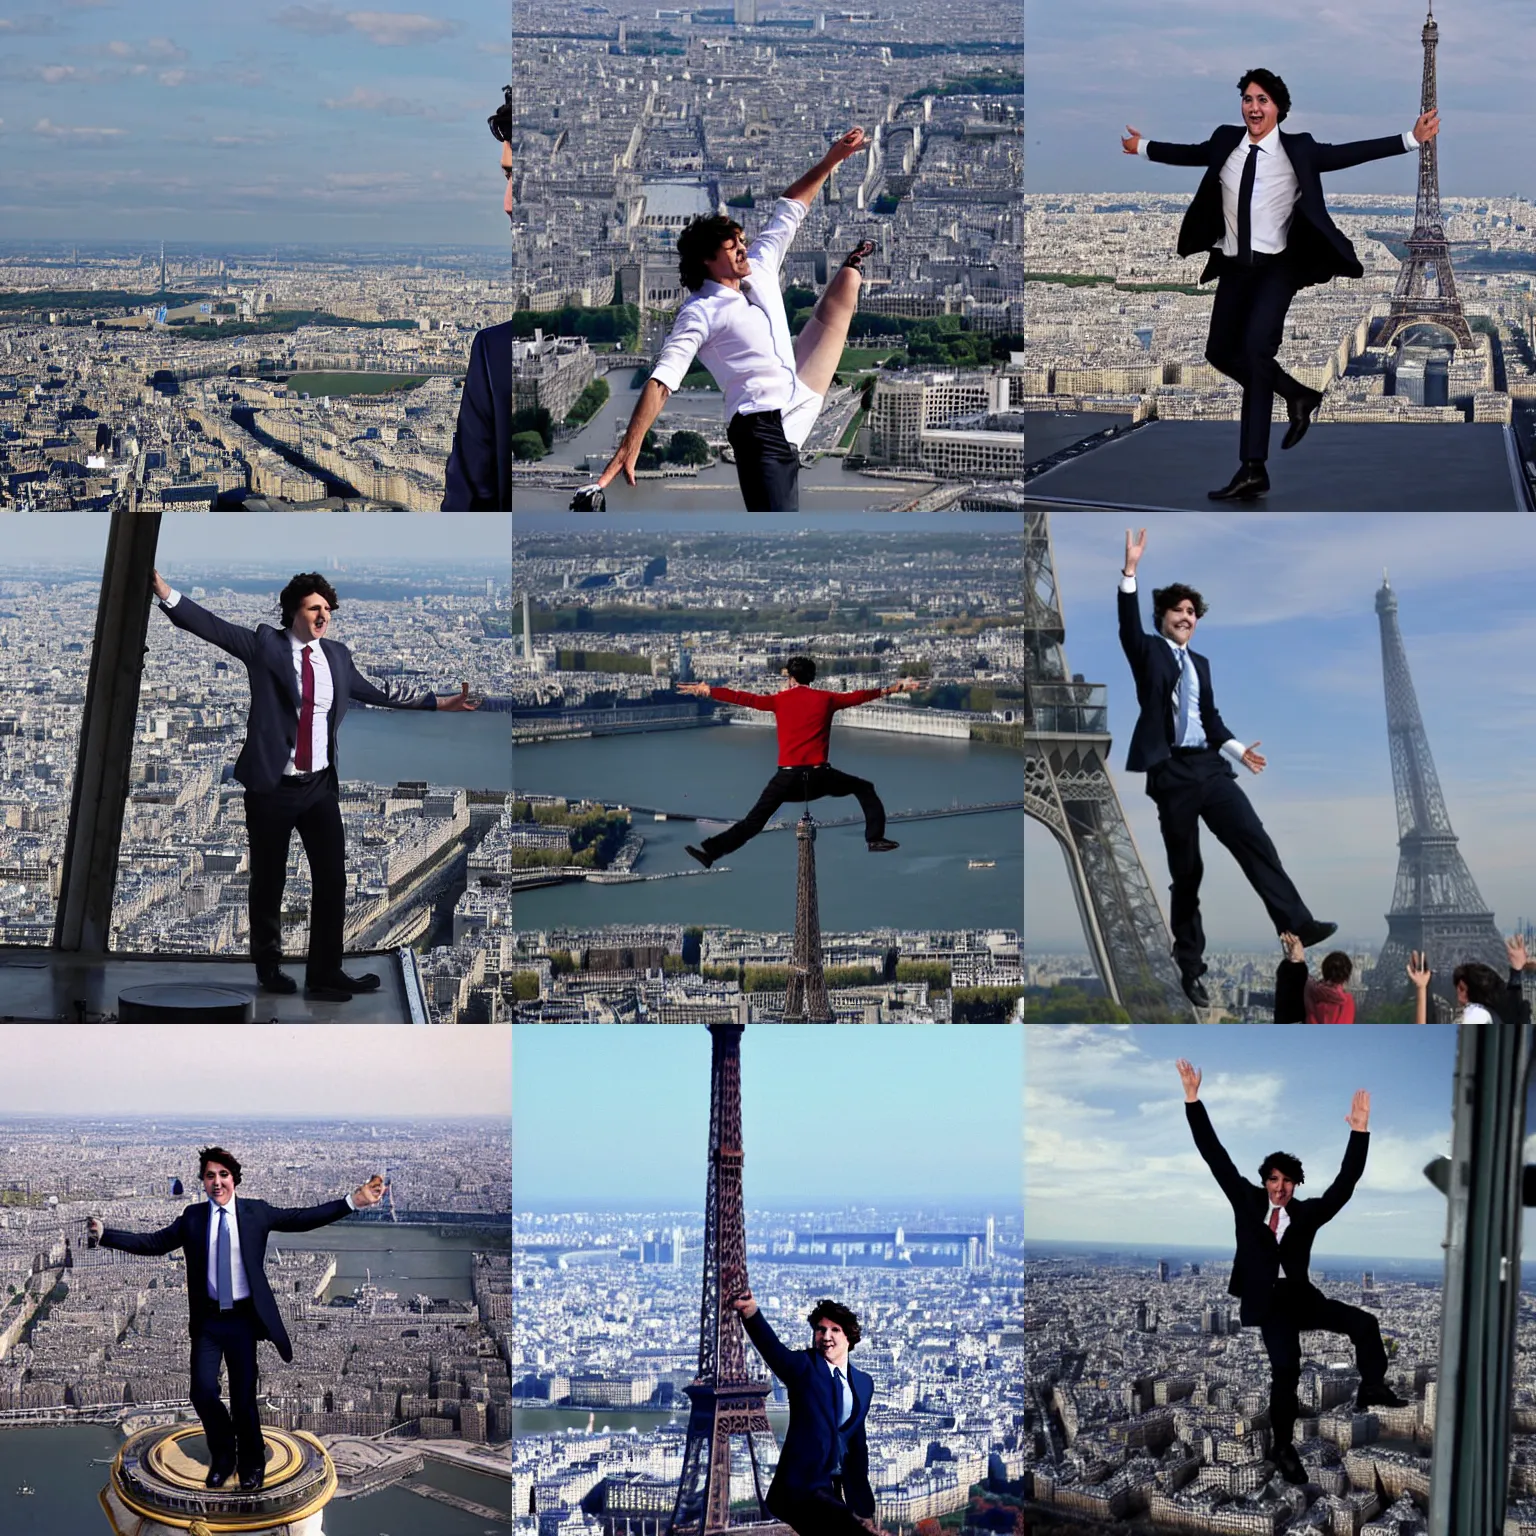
x=1127 y=583
x=173 y=599
x=1234 y=749
x=1141 y=146
x=1409 y=142
x=351 y=1204
x=669 y=375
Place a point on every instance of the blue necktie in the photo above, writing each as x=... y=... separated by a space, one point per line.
x=226 y=1277
x=1186 y=697
x=837 y=1395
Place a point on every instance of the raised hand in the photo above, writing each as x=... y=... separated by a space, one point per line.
x=1132 y=139
x=370 y=1193
x=1427 y=126
x=460 y=700
x=1294 y=951
x=1418 y=970
x=744 y=1303
x=1190 y=1076
x=1134 y=550
x=1359 y=1116
x=906 y=685
x=94 y=1227
x=161 y=587
x=1254 y=760
x=850 y=144
x=698 y=690
x=1514 y=947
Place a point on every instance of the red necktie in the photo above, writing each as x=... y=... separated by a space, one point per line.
x=1274 y=1221
x=303 y=756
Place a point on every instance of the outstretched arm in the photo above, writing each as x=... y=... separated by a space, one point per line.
x=307 y=1218
x=1337 y=1194
x=185 y=614
x=1233 y=1184
x=1133 y=638
x=362 y=691
x=1339 y=157
x=805 y=190
x=151 y=1244
x=780 y=1360
x=1137 y=143
x=652 y=401
x=869 y=695
x=729 y=695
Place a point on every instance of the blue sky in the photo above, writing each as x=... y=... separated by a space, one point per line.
x=1171 y=70
x=1108 y=1154
x=1295 y=651
x=617 y=1116
x=187 y=538
x=261 y=122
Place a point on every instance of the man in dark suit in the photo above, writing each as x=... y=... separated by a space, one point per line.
x=1183 y=745
x=1269 y=1272
x=821 y=1487
x=230 y=1303
x=1259 y=214
x=301 y=686
x=479 y=472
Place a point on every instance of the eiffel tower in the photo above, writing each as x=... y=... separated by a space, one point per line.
x=1436 y=905
x=727 y=1404
x=1428 y=262
x=1067 y=787
x=805 y=998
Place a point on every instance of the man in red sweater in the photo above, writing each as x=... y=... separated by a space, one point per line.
x=804 y=718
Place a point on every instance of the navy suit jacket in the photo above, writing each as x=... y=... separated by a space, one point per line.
x=1315 y=248
x=810 y=1447
x=479 y=473
x=256 y=1220
x=272 y=727
x=1259 y=1259
x=1157 y=675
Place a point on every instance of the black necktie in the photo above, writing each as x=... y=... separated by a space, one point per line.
x=1245 y=206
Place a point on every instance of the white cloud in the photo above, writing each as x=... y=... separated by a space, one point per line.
x=49 y=130
x=364 y=99
x=387 y=29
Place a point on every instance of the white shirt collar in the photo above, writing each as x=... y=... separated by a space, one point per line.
x=298 y=644
x=216 y=1207
x=1267 y=143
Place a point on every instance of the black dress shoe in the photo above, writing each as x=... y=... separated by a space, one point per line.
x=1194 y=990
x=1300 y=411
x=1287 y=1463
x=699 y=854
x=327 y=992
x=1249 y=483
x=1377 y=1394
x=1315 y=932
x=218 y=1476
x=270 y=979
x=882 y=845
x=367 y=982
x=251 y=1481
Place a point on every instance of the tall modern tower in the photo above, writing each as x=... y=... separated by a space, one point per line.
x=728 y=1406
x=1067 y=787
x=1436 y=905
x=1426 y=287
x=805 y=998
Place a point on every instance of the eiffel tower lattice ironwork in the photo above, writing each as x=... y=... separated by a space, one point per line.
x=728 y=1404
x=1068 y=788
x=805 y=998
x=1426 y=286
x=1436 y=905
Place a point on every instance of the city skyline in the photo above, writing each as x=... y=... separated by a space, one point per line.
x=961 y=1086
x=1353 y=73
x=284 y=1072
x=1295 y=650
x=1108 y=1154
x=273 y=122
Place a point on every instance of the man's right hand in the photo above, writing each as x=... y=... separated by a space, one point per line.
x=698 y=690
x=1134 y=550
x=624 y=461
x=94 y=1227
x=162 y=588
x=745 y=1304
x=1190 y=1076
x=1132 y=139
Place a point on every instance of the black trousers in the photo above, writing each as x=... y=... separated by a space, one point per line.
x=233 y=1433
x=1247 y=327
x=313 y=809
x=1300 y=1309
x=767 y=463
x=800 y=784
x=821 y=1512
x=1191 y=787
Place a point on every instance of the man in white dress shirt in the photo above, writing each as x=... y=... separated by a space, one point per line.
x=735 y=323
x=1259 y=214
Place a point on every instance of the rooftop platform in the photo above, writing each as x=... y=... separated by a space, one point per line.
x=1168 y=466
x=49 y=986
x=1048 y=432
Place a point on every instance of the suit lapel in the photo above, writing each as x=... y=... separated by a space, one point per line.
x=280 y=659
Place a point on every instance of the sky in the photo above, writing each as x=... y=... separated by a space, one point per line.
x=616 y=1117
x=285 y=1071
x=254 y=123
x=1353 y=70
x=187 y=539
x=1295 y=651
x=1109 y=1157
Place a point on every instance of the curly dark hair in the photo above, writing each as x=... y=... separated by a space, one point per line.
x=1273 y=86
x=836 y=1312
x=1484 y=984
x=801 y=668
x=1336 y=967
x=1284 y=1163
x=698 y=243
x=305 y=584
x=1164 y=598
x=218 y=1155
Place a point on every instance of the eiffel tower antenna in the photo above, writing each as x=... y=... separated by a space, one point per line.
x=727 y=1403
x=1067 y=787
x=805 y=998
x=1426 y=286
x=1436 y=905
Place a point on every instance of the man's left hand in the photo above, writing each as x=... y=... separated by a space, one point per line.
x=1514 y=947
x=1254 y=760
x=850 y=144
x=1427 y=126
x=1359 y=1116
x=906 y=685
x=460 y=700
x=370 y=1193
x=695 y=690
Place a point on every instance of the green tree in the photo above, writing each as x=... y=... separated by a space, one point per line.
x=525 y=986
x=528 y=445
x=688 y=448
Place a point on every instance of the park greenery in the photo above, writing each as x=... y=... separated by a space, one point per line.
x=588 y=403
x=609 y=322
